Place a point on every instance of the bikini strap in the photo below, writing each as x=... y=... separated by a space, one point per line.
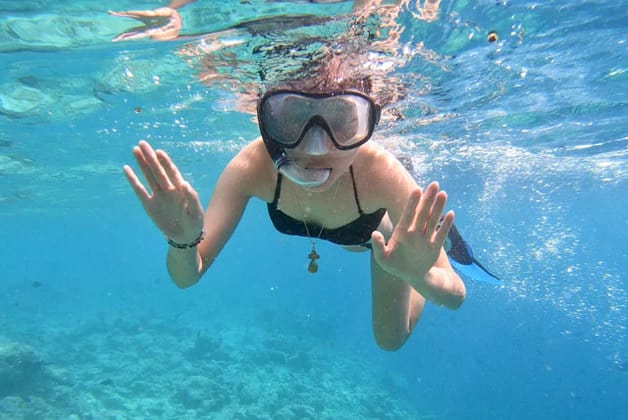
x=355 y=191
x=277 y=190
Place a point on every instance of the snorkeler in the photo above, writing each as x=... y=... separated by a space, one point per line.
x=322 y=179
x=327 y=181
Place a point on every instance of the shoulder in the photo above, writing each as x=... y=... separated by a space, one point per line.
x=381 y=178
x=381 y=167
x=251 y=171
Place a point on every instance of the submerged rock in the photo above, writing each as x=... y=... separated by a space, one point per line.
x=22 y=370
x=17 y=100
x=205 y=347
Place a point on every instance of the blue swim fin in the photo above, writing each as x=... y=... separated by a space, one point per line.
x=461 y=258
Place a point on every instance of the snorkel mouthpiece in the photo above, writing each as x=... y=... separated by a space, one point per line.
x=305 y=177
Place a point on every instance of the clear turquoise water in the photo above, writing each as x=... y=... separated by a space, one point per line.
x=528 y=135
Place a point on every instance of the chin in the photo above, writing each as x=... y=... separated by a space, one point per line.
x=334 y=177
x=320 y=188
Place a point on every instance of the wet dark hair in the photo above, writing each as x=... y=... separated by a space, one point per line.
x=361 y=58
x=342 y=71
x=327 y=82
x=349 y=52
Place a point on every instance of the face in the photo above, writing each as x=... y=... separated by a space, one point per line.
x=318 y=131
x=317 y=151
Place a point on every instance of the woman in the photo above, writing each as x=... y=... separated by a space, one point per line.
x=322 y=179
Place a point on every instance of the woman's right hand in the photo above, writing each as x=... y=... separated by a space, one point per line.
x=174 y=205
x=160 y=24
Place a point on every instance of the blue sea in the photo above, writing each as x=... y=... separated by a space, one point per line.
x=528 y=134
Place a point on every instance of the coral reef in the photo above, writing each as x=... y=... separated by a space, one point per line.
x=131 y=368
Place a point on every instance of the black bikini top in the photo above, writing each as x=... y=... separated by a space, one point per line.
x=356 y=232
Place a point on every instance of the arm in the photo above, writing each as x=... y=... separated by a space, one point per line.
x=225 y=208
x=177 y=4
x=414 y=252
x=176 y=210
x=441 y=285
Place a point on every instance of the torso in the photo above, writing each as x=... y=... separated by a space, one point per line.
x=375 y=171
x=356 y=232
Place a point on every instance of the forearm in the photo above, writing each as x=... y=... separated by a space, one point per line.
x=176 y=4
x=184 y=266
x=441 y=286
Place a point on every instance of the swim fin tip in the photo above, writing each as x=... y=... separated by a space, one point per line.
x=461 y=258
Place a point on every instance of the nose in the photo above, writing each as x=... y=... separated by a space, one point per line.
x=316 y=141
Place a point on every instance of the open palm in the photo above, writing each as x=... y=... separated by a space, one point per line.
x=418 y=237
x=159 y=24
x=172 y=204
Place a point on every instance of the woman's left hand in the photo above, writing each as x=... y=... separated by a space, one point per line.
x=417 y=239
x=159 y=24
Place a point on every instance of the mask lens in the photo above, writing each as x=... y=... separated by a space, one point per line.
x=348 y=117
x=284 y=117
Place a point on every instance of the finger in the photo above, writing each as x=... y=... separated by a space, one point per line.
x=135 y=14
x=425 y=206
x=437 y=211
x=164 y=34
x=163 y=182
x=378 y=245
x=135 y=183
x=152 y=13
x=145 y=168
x=120 y=13
x=407 y=216
x=170 y=168
x=130 y=35
x=193 y=204
x=165 y=12
x=441 y=234
x=164 y=37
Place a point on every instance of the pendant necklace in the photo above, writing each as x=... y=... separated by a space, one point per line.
x=312 y=266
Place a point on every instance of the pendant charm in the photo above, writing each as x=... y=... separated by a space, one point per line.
x=312 y=267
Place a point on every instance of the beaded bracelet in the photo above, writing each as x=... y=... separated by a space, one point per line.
x=192 y=244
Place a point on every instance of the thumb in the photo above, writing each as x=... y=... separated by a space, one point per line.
x=193 y=203
x=378 y=244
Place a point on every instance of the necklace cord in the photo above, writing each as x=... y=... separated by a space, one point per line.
x=313 y=255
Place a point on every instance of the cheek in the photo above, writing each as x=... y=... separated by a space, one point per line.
x=347 y=156
x=341 y=162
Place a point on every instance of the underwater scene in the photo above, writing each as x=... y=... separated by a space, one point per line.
x=517 y=109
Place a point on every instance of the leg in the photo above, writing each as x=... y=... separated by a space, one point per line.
x=396 y=305
x=396 y=308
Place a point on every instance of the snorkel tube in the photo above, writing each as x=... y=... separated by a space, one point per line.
x=308 y=176
x=305 y=177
